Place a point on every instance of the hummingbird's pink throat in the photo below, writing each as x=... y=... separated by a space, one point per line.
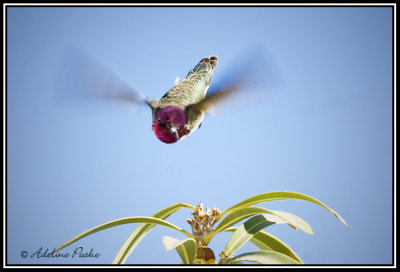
x=169 y=124
x=164 y=134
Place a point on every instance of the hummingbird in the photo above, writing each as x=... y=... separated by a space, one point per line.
x=180 y=111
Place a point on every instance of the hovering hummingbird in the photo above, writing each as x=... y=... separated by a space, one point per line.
x=181 y=110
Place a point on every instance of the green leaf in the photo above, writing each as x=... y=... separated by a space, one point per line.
x=263 y=257
x=122 y=221
x=186 y=248
x=294 y=221
x=235 y=216
x=241 y=213
x=247 y=230
x=281 y=195
x=266 y=241
x=142 y=230
x=238 y=215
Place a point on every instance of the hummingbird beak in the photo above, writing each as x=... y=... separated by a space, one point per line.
x=174 y=131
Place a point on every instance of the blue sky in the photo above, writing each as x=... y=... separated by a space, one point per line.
x=325 y=130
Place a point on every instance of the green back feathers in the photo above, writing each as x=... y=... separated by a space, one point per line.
x=193 y=88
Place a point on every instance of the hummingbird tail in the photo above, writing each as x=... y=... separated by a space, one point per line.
x=206 y=64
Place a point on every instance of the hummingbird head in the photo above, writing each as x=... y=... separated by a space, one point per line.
x=169 y=124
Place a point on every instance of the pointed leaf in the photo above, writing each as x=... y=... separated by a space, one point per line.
x=142 y=230
x=241 y=213
x=247 y=230
x=122 y=221
x=281 y=195
x=186 y=248
x=295 y=221
x=263 y=257
x=266 y=241
x=235 y=216
x=238 y=215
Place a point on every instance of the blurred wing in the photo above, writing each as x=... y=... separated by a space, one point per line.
x=83 y=77
x=252 y=70
x=213 y=98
